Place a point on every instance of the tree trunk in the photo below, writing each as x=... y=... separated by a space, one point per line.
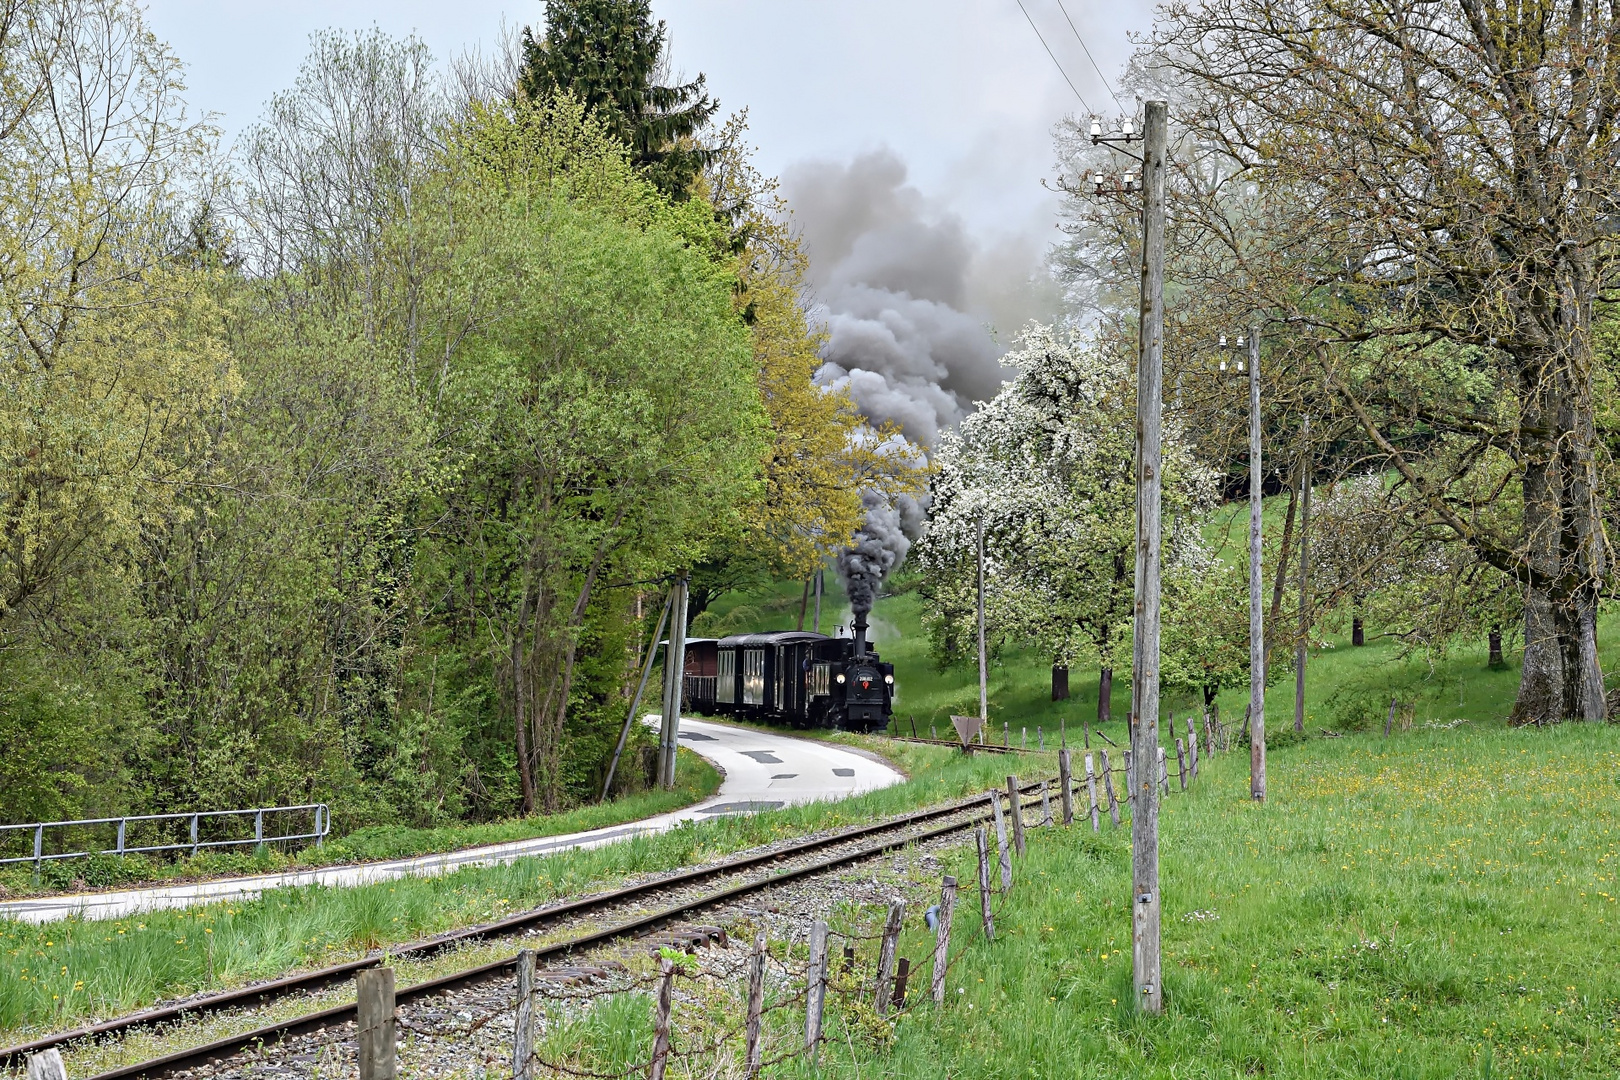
x=1105 y=694
x=1495 y=639
x=1274 y=620
x=1561 y=679
x=517 y=678
x=1358 y=636
x=1060 y=682
x=804 y=604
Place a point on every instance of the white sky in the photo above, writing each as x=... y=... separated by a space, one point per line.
x=961 y=89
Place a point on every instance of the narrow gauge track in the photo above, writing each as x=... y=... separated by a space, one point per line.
x=894 y=833
x=972 y=748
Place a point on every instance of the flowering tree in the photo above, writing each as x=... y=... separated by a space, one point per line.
x=1046 y=467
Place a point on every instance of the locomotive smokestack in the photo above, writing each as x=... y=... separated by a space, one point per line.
x=859 y=629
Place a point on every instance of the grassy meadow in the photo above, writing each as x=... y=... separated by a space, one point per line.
x=1440 y=904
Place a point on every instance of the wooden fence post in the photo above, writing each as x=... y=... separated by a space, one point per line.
x=1181 y=763
x=1066 y=785
x=1164 y=773
x=1108 y=787
x=756 y=1004
x=984 y=883
x=1091 y=791
x=666 y=997
x=523 y=1031
x=891 y=941
x=1389 y=721
x=815 y=996
x=374 y=1015
x=1192 y=754
x=902 y=975
x=942 y=936
x=46 y=1065
x=1015 y=804
x=1003 y=855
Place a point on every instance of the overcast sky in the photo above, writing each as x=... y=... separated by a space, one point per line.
x=961 y=90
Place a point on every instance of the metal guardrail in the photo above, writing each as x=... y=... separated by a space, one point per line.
x=322 y=825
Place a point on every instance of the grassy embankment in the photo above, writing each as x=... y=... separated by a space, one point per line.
x=695 y=780
x=54 y=974
x=1441 y=904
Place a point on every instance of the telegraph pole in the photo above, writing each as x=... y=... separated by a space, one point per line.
x=1257 y=625
x=820 y=572
x=674 y=670
x=1145 y=906
x=984 y=682
x=1301 y=648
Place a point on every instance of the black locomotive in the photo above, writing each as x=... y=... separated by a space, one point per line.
x=792 y=677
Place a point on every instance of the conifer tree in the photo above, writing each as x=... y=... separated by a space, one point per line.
x=608 y=54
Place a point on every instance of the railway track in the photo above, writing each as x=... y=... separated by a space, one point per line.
x=994 y=748
x=835 y=850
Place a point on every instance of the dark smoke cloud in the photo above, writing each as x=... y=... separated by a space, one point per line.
x=878 y=547
x=908 y=298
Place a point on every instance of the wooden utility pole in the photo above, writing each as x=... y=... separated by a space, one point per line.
x=1257 y=618
x=820 y=584
x=674 y=672
x=1302 y=647
x=984 y=691
x=1145 y=651
x=635 y=702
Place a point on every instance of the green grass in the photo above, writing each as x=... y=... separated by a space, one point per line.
x=1441 y=904
x=54 y=974
x=695 y=780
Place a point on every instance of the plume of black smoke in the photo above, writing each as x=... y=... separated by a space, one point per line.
x=878 y=547
x=906 y=296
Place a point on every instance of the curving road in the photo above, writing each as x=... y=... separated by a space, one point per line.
x=763 y=771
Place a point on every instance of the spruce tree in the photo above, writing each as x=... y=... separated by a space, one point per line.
x=606 y=53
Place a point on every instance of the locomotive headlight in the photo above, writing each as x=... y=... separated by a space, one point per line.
x=889 y=679
x=840 y=679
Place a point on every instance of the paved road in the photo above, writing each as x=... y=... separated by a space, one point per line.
x=764 y=771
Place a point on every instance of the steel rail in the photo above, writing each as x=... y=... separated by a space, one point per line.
x=14 y=1057
x=972 y=748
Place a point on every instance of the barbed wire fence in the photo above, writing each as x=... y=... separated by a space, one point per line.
x=739 y=1011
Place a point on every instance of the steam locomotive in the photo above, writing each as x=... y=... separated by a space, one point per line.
x=792 y=677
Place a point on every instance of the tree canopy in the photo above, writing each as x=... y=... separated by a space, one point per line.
x=611 y=56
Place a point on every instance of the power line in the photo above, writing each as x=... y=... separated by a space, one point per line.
x=1094 y=66
x=1053 y=55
